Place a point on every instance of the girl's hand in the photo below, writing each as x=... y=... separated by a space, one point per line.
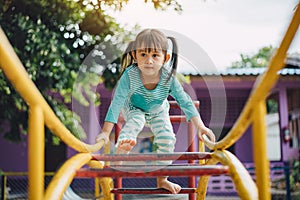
x=204 y=130
x=102 y=136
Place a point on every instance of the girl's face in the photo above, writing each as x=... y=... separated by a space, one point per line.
x=150 y=61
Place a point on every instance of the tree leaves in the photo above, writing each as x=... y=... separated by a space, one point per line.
x=260 y=59
x=53 y=39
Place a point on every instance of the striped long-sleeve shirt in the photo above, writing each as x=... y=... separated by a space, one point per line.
x=131 y=92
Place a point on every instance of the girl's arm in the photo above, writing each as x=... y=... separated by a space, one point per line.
x=115 y=107
x=183 y=99
x=106 y=130
x=186 y=104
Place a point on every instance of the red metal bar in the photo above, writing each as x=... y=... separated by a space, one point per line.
x=118 y=129
x=153 y=171
x=177 y=118
x=118 y=180
x=153 y=156
x=191 y=139
x=150 y=191
x=157 y=166
x=191 y=148
x=118 y=184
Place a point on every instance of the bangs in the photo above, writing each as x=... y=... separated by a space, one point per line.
x=151 y=41
x=148 y=50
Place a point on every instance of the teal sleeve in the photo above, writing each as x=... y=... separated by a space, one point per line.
x=119 y=98
x=183 y=99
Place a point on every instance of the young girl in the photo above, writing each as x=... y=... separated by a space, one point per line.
x=147 y=80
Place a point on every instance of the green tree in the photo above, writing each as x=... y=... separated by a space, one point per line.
x=260 y=59
x=53 y=38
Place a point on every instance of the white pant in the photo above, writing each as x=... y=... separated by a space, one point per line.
x=159 y=122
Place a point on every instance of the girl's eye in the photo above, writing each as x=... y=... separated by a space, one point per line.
x=143 y=54
x=155 y=55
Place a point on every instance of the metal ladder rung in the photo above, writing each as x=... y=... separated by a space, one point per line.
x=150 y=191
x=153 y=171
x=153 y=156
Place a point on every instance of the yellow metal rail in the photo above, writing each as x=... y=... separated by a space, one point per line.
x=254 y=111
x=41 y=114
x=65 y=175
x=262 y=87
x=16 y=73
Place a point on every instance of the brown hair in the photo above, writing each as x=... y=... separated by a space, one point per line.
x=150 y=39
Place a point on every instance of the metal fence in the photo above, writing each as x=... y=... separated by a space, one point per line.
x=14 y=186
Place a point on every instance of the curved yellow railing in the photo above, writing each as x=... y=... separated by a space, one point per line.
x=16 y=73
x=262 y=87
x=41 y=114
x=65 y=175
x=245 y=186
x=255 y=111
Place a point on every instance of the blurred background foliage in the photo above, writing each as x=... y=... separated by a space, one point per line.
x=53 y=39
x=259 y=59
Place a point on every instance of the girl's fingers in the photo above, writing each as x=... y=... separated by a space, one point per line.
x=211 y=135
x=102 y=136
x=200 y=136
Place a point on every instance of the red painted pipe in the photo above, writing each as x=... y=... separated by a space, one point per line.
x=191 y=148
x=153 y=156
x=153 y=171
x=177 y=118
x=150 y=191
x=118 y=180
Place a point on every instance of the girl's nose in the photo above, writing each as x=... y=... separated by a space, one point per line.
x=149 y=60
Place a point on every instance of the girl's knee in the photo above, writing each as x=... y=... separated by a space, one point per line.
x=165 y=146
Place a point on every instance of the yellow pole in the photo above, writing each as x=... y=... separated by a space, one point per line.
x=260 y=152
x=4 y=182
x=107 y=151
x=203 y=182
x=201 y=149
x=36 y=150
x=97 y=187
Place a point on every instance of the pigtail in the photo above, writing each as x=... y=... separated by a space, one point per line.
x=174 y=57
x=127 y=58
